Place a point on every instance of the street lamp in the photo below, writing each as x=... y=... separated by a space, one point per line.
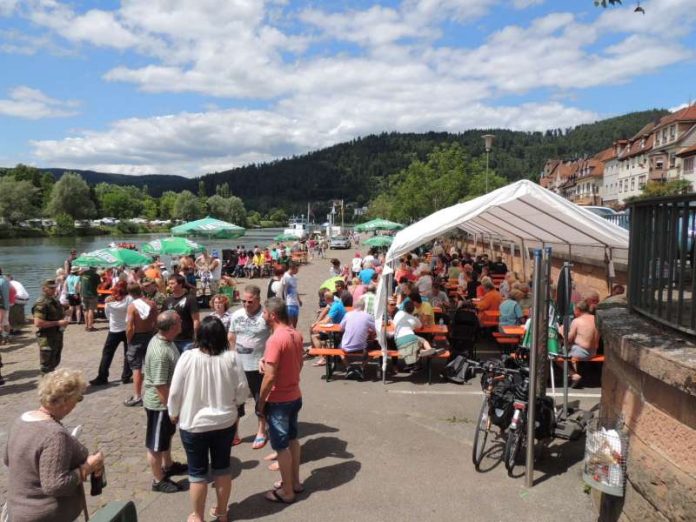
x=488 y=143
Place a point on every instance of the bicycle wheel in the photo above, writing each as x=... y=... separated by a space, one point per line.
x=481 y=434
x=513 y=446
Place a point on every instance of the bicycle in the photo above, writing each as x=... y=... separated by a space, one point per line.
x=496 y=405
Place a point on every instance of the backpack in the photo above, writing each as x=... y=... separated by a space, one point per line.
x=458 y=370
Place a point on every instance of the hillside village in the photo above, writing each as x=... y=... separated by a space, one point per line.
x=661 y=151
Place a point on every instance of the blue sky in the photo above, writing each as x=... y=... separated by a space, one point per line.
x=192 y=86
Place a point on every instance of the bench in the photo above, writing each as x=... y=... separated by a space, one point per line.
x=506 y=341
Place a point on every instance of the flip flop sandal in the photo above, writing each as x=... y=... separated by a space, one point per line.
x=274 y=496
x=279 y=485
x=259 y=442
x=222 y=517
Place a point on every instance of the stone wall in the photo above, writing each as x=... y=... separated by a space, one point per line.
x=649 y=378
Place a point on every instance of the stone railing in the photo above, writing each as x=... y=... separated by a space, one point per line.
x=649 y=379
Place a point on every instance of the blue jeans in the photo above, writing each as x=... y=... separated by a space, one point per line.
x=216 y=443
x=182 y=346
x=282 y=422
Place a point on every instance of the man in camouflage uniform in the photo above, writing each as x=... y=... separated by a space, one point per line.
x=151 y=291
x=50 y=322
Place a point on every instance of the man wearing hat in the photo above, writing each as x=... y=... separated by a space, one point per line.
x=151 y=291
x=50 y=323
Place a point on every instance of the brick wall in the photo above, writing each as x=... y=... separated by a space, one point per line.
x=649 y=378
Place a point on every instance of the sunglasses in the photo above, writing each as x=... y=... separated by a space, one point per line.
x=248 y=302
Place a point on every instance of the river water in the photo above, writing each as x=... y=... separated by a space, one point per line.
x=32 y=260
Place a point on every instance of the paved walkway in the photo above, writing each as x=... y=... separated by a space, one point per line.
x=370 y=451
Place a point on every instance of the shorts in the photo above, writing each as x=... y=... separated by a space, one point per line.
x=136 y=350
x=89 y=303
x=160 y=430
x=74 y=300
x=282 y=422
x=254 y=379
x=579 y=352
x=293 y=310
x=208 y=448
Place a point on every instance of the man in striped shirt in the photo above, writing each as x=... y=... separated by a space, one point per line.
x=158 y=370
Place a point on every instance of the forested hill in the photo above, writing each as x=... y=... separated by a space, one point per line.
x=354 y=170
x=156 y=183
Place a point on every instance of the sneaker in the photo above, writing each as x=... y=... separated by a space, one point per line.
x=98 y=382
x=177 y=468
x=133 y=401
x=166 y=485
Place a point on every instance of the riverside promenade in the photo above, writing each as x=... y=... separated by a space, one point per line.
x=369 y=451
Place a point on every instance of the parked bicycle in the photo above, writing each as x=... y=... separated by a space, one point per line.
x=545 y=422
x=496 y=406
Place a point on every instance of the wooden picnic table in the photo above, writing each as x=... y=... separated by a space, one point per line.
x=514 y=330
x=428 y=329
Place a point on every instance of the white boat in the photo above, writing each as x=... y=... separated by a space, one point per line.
x=297 y=227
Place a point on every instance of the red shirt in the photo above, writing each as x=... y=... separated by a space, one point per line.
x=284 y=350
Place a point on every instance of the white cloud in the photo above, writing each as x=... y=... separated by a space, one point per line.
x=32 y=104
x=524 y=4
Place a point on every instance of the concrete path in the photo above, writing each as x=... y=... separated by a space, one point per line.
x=370 y=451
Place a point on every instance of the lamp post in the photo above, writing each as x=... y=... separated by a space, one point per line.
x=488 y=143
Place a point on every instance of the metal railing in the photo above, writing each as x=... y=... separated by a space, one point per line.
x=661 y=264
x=622 y=219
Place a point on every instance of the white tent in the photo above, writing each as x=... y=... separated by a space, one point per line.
x=523 y=213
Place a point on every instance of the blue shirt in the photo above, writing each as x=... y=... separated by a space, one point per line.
x=337 y=311
x=510 y=313
x=366 y=274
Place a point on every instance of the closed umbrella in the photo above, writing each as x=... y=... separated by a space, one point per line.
x=379 y=241
x=209 y=227
x=378 y=224
x=173 y=246
x=111 y=257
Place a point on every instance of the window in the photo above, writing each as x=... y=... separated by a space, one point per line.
x=641 y=182
x=672 y=132
x=633 y=184
x=672 y=160
x=689 y=165
x=664 y=135
x=659 y=164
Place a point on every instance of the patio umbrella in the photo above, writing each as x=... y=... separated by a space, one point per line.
x=111 y=257
x=379 y=241
x=330 y=283
x=378 y=224
x=209 y=227
x=286 y=237
x=173 y=246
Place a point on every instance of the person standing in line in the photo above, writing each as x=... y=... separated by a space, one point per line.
x=158 y=370
x=89 y=282
x=50 y=323
x=280 y=399
x=248 y=333
x=291 y=294
x=141 y=323
x=115 y=309
x=183 y=303
x=208 y=387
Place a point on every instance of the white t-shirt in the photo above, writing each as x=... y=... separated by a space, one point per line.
x=115 y=312
x=216 y=269
x=405 y=324
x=251 y=333
x=356 y=264
x=290 y=289
x=206 y=390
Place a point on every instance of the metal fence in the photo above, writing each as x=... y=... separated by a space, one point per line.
x=622 y=219
x=662 y=268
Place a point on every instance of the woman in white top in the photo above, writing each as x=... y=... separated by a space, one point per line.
x=115 y=309
x=207 y=389
x=409 y=345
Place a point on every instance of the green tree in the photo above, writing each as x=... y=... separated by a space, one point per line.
x=253 y=218
x=70 y=195
x=186 y=206
x=229 y=209
x=17 y=199
x=166 y=204
x=122 y=202
x=65 y=225
x=278 y=215
x=656 y=189
x=150 y=209
x=223 y=190
x=381 y=207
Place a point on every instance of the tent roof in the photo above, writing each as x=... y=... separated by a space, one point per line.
x=520 y=211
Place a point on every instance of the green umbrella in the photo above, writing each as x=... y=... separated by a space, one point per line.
x=330 y=283
x=209 y=227
x=378 y=224
x=379 y=241
x=286 y=237
x=110 y=257
x=173 y=246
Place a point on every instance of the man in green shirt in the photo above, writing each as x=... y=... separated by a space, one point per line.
x=50 y=322
x=158 y=370
x=89 y=282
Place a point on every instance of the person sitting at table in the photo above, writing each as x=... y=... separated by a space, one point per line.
x=498 y=267
x=506 y=285
x=357 y=289
x=357 y=327
x=511 y=313
x=454 y=269
x=425 y=281
x=409 y=345
x=423 y=309
x=335 y=269
x=404 y=271
x=491 y=297
x=404 y=290
x=583 y=337
x=343 y=293
x=332 y=313
x=437 y=296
